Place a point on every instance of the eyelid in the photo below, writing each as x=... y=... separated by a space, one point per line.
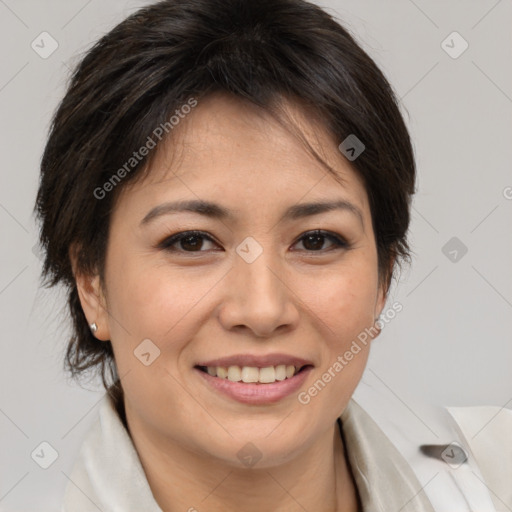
x=338 y=241
x=167 y=242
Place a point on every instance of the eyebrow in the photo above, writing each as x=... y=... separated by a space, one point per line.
x=216 y=211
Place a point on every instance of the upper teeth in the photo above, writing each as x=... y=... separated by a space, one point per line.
x=249 y=374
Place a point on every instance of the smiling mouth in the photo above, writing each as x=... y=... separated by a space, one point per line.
x=253 y=374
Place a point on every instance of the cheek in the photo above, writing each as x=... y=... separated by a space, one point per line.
x=344 y=305
x=151 y=302
x=344 y=300
x=154 y=301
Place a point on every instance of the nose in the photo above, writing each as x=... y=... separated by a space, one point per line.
x=258 y=298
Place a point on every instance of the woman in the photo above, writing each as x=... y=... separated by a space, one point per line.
x=225 y=193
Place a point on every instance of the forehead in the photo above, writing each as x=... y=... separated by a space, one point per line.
x=232 y=152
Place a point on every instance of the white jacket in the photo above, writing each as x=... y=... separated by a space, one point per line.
x=382 y=436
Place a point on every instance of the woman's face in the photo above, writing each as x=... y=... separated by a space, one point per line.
x=251 y=290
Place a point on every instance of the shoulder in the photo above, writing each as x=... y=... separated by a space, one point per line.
x=485 y=425
x=107 y=471
x=487 y=431
x=464 y=453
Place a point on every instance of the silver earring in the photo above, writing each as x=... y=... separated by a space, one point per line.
x=93 y=327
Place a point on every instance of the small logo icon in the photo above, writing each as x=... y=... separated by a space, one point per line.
x=146 y=352
x=44 y=455
x=44 y=45
x=454 y=45
x=249 y=249
x=454 y=455
x=454 y=250
x=249 y=455
x=351 y=147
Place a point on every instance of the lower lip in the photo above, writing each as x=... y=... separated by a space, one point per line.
x=256 y=393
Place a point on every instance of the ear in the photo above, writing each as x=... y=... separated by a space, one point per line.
x=92 y=298
x=380 y=301
x=382 y=293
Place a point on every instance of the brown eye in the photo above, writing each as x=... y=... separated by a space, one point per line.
x=188 y=241
x=314 y=241
x=194 y=241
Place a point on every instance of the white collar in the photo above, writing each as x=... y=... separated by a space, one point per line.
x=108 y=473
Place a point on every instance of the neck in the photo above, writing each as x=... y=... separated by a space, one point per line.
x=181 y=480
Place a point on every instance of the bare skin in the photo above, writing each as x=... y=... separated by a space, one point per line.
x=304 y=298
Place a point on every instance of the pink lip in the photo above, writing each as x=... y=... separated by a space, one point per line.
x=258 y=361
x=256 y=393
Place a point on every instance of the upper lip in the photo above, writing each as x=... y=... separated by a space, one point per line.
x=257 y=361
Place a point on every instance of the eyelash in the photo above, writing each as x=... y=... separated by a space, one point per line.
x=338 y=241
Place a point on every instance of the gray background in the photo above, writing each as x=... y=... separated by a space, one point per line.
x=451 y=343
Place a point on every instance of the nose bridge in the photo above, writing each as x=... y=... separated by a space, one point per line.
x=258 y=297
x=257 y=270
